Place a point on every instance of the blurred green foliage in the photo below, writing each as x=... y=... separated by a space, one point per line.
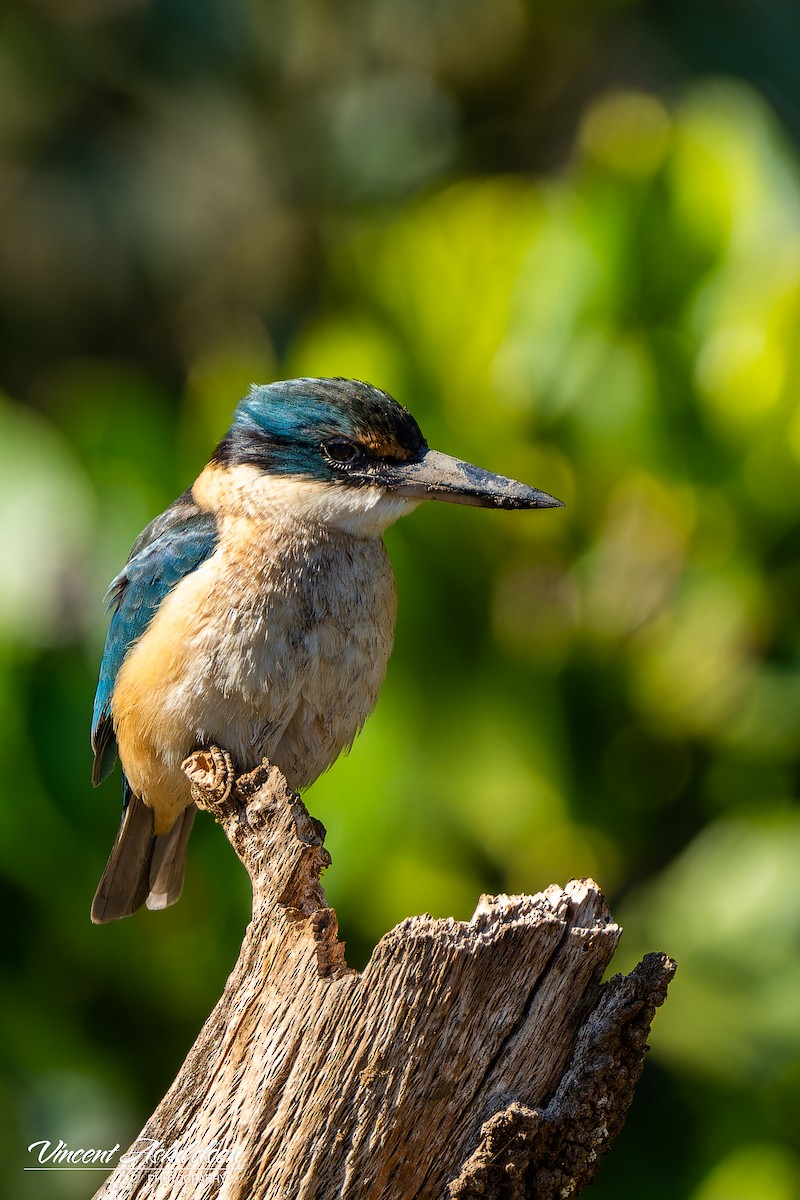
x=575 y=254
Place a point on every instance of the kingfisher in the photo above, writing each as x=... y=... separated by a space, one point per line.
x=257 y=611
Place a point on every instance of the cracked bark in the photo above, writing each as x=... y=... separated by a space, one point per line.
x=469 y=1059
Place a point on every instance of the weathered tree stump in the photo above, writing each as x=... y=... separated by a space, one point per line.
x=479 y=1059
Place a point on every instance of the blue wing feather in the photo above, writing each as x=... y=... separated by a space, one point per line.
x=169 y=549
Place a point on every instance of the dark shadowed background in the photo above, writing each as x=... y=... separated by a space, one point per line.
x=567 y=236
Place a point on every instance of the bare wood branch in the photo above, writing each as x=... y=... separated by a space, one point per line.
x=468 y=1059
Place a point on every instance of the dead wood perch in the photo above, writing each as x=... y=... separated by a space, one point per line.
x=479 y=1059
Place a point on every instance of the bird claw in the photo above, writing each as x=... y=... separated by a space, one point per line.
x=211 y=774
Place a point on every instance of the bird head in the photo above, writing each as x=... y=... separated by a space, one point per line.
x=347 y=453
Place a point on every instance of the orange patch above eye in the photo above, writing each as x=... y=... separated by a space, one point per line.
x=386 y=447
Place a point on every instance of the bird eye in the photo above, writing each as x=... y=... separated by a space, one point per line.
x=340 y=451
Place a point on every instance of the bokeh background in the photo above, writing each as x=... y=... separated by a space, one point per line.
x=567 y=235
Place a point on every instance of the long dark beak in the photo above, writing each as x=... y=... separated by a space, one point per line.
x=437 y=476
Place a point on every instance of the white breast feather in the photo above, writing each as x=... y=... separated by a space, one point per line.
x=277 y=645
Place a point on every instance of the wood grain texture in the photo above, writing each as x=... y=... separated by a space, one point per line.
x=468 y=1059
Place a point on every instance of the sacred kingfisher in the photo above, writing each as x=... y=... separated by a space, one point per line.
x=257 y=611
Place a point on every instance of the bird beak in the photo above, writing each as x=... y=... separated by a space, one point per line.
x=437 y=476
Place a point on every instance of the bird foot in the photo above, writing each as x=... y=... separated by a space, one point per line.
x=211 y=773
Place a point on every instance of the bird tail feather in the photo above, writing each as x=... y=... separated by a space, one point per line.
x=168 y=862
x=143 y=868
